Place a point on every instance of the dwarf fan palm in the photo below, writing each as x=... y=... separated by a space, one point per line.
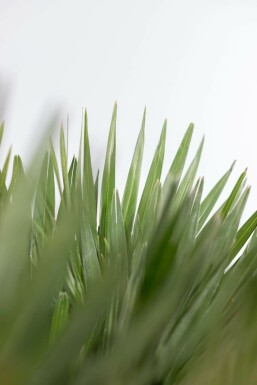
x=99 y=290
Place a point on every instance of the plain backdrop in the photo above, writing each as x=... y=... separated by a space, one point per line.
x=185 y=60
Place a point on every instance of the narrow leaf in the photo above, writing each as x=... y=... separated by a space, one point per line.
x=211 y=199
x=72 y=175
x=56 y=168
x=178 y=163
x=64 y=164
x=108 y=180
x=244 y=234
x=44 y=208
x=5 y=169
x=96 y=189
x=131 y=189
x=117 y=233
x=188 y=180
x=17 y=174
x=91 y=264
x=88 y=181
x=154 y=173
x=60 y=316
x=1 y=132
x=234 y=194
x=108 y=183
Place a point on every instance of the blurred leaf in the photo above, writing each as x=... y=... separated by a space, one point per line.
x=1 y=132
x=17 y=174
x=60 y=316
x=91 y=269
x=4 y=171
x=44 y=208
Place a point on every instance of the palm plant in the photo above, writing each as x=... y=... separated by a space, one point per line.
x=98 y=290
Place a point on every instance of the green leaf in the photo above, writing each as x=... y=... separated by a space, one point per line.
x=44 y=208
x=169 y=234
x=179 y=161
x=108 y=183
x=56 y=168
x=75 y=279
x=234 y=194
x=56 y=367
x=147 y=223
x=60 y=316
x=130 y=195
x=80 y=154
x=108 y=180
x=118 y=258
x=188 y=180
x=145 y=226
x=189 y=237
x=4 y=171
x=230 y=226
x=72 y=175
x=34 y=296
x=92 y=271
x=252 y=245
x=154 y=173
x=1 y=132
x=96 y=189
x=244 y=234
x=72 y=178
x=88 y=181
x=117 y=234
x=211 y=199
x=64 y=164
x=155 y=307
x=17 y=174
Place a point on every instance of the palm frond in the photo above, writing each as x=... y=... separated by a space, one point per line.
x=149 y=292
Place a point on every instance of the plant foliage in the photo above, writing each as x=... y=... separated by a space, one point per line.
x=102 y=289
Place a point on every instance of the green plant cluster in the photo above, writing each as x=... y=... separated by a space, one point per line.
x=101 y=290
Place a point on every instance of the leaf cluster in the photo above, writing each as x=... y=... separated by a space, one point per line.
x=103 y=289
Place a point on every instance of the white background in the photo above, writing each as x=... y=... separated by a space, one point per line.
x=185 y=60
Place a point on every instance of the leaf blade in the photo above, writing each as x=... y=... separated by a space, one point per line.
x=130 y=195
